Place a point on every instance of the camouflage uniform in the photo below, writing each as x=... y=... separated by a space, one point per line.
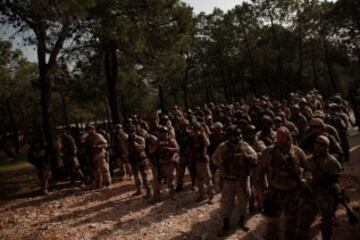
x=198 y=144
x=259 y=147
x=318 y=128
x=137 y=156
x=165 y=165
x=70 y=158
x=96 y=145
x=121 y=150
x=236 y=161
x=325 y=170
x=216 y=138
x=182 y=137
x=38 y=157
x=282 y=189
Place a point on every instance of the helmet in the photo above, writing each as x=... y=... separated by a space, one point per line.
x=319 y=114
x=317 y=122
x=278 y=119
x=267 y=119
x=217 y=125
x=163 y=129
x=233 y=131
x=196 y=125
x=322 y=140
x=250 y=129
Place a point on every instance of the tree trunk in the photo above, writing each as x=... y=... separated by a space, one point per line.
x=313 y=66
x=45 y=99
x=161 y=99
x=111 y=73
x=14 y=129
x=329 y=64
x=300 y=67
x=224 y=81
x=185 y=88
x=250 y=82
x=65 y=112
x=279 y=62
x=107 y=113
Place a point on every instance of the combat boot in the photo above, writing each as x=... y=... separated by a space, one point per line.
x=179 y=188
x=225 y=229
x=148 y=193
x=200 y=199
x=242 y=224
x=138 y=192
x=172 y=194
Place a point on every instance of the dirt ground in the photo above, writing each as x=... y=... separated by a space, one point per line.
x=75 y=213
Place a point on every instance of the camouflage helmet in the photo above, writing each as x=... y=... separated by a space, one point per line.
x=217 y=125
x=233 y=131
x=319 y=114
x=163 y=129
x=278 y=119
x=250 y=129
x=196 y=125
x=296 y=107
x=323 y=140
x=267 y=119
x=317 y=122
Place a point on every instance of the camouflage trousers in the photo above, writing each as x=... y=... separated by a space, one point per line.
x=324 y=203
x=233 y=189
x=203 y=179
x=284 y=225
x=73 y=168
x=44 y=174
x=140 y=169
x=180 y=171
x=123 y=166
x=101 y=171
x=167 y=172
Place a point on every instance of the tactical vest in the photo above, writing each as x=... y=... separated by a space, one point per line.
x=134 y=155
x=164 y=156
x=235 y=165
x=198 y=149
x=279 y=173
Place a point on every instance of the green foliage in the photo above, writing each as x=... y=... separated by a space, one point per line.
x=259 y=47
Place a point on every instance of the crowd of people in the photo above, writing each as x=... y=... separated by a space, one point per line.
x=253 y=151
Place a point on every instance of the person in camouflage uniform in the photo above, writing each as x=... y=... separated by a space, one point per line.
x=96 y=146
x=236 y=159
x=70 y=159
x=183 y=134
x=266 y=134
x=217 y=136
x=137 y=157
x=121 y=150
x=282 y=189
x=325 y=171
x=198 y=145
x=259 y=147
x=317 y=127
x=165 y=162
x=37 y=156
